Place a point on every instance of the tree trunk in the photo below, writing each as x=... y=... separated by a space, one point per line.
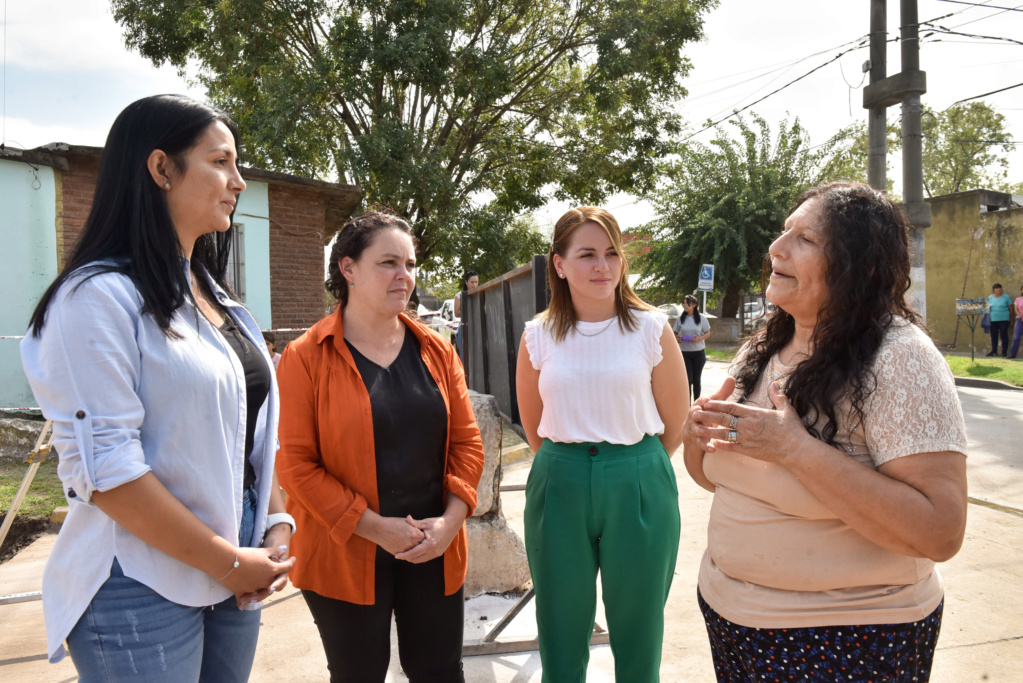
x=730 y=302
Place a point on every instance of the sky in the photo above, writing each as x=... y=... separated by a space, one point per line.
x=67 y=74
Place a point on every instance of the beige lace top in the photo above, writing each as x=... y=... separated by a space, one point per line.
x=779 y=558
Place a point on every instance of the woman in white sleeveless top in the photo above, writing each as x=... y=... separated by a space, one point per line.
x=602 y=407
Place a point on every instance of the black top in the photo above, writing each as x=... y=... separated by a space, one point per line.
x=410 y=424
x=257 y=386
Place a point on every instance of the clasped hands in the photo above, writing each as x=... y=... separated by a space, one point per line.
x=770 y=435
x=415 y=540
x=262 y=571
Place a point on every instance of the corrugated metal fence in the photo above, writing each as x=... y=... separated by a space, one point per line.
x=495 y=314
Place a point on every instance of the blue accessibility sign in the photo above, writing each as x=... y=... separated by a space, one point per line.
x=707 y=278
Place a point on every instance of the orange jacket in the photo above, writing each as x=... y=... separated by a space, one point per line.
x=327 y=462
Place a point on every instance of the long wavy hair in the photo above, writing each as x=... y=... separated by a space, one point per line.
x=129 y=229
x=867 y=262
x=560 y=317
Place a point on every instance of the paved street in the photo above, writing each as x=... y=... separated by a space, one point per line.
x=981 y=639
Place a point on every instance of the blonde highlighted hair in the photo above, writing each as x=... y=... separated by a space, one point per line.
x=560 y=317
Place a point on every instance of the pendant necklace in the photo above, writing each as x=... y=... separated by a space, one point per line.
x=602 y=330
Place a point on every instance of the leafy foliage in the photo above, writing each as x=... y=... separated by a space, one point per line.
x=725 y=202
x=848 y=161
x=964 y=148
x=457 y=114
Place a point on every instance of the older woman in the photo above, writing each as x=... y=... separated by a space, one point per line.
x=380 y=456
x=837 y=462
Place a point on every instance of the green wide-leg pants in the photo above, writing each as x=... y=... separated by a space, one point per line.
x=606 y=507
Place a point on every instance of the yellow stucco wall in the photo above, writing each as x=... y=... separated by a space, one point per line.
x=996 y=256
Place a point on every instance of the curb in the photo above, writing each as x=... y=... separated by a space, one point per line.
x=979 y=383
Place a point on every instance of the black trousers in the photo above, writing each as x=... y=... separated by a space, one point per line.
x=1000 y=330
x=357 y=638
x=695 y=360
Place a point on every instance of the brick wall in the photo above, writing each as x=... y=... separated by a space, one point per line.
x=75 y=189
x=297 y=220
x=636 y=243
x=296 y=259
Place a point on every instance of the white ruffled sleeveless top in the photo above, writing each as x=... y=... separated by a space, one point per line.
x=598 y=388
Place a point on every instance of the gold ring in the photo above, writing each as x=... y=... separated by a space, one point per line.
x=733 y=436
x=734 y=422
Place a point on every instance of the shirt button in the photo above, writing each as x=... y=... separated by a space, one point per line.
x=80 y=414
x=593 y=450
x=71 y=493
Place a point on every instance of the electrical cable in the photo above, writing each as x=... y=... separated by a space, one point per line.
x=980 y=4
x=1004 y=10
x=736 y=112
x=977 y=97
x=941 y=29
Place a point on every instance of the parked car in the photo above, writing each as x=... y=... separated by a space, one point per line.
x=447 y=310
x=673 y=311
x=438 y=322
x=756 y=314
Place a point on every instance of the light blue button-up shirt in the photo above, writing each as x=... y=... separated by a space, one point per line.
x=126 y=399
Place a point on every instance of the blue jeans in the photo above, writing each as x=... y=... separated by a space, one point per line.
x=130 y=632
x=1016 y=336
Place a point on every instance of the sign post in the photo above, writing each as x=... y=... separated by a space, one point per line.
x=706 y=282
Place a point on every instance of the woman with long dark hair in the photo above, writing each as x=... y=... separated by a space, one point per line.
x=692 y=330
x=598 y=392
x=381 y=457
x=837 y=462
x=164 y=411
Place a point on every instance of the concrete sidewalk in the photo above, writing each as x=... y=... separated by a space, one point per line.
x=981 y=638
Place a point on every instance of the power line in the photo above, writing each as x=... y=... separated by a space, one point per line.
x=977 y=97
x=1008 y=9
x=978 y=4
x=736 y=112
x=782 y=64
x=941 y=29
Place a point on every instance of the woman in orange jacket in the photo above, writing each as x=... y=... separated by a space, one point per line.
x=380 y=457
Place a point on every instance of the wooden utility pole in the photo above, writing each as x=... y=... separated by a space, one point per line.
x=884 y=91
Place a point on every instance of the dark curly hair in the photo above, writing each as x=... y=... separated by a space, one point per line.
x=357 y=234
x=866 y=246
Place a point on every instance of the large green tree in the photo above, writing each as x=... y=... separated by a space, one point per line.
x=454 y=113
x=964 y=148
x=724 y=202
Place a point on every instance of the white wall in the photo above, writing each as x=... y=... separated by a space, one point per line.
x=254 y=213
x=28 y=236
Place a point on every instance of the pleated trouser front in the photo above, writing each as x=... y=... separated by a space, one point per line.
x=614 y=509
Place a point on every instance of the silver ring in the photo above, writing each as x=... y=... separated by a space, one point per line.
x=733 y=436
x=734 y=422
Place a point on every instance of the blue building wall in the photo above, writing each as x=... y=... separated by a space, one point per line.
x=28 y=197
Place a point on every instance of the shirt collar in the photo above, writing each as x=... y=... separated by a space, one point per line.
x=332 y=326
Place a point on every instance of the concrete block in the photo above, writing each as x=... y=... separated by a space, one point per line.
x=488 y=417
x=18 y=437
x=59 y=515
x=497 y=557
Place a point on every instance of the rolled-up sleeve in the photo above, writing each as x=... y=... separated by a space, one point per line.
x=465 y=447
x=84 y=372
x=300 y=465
